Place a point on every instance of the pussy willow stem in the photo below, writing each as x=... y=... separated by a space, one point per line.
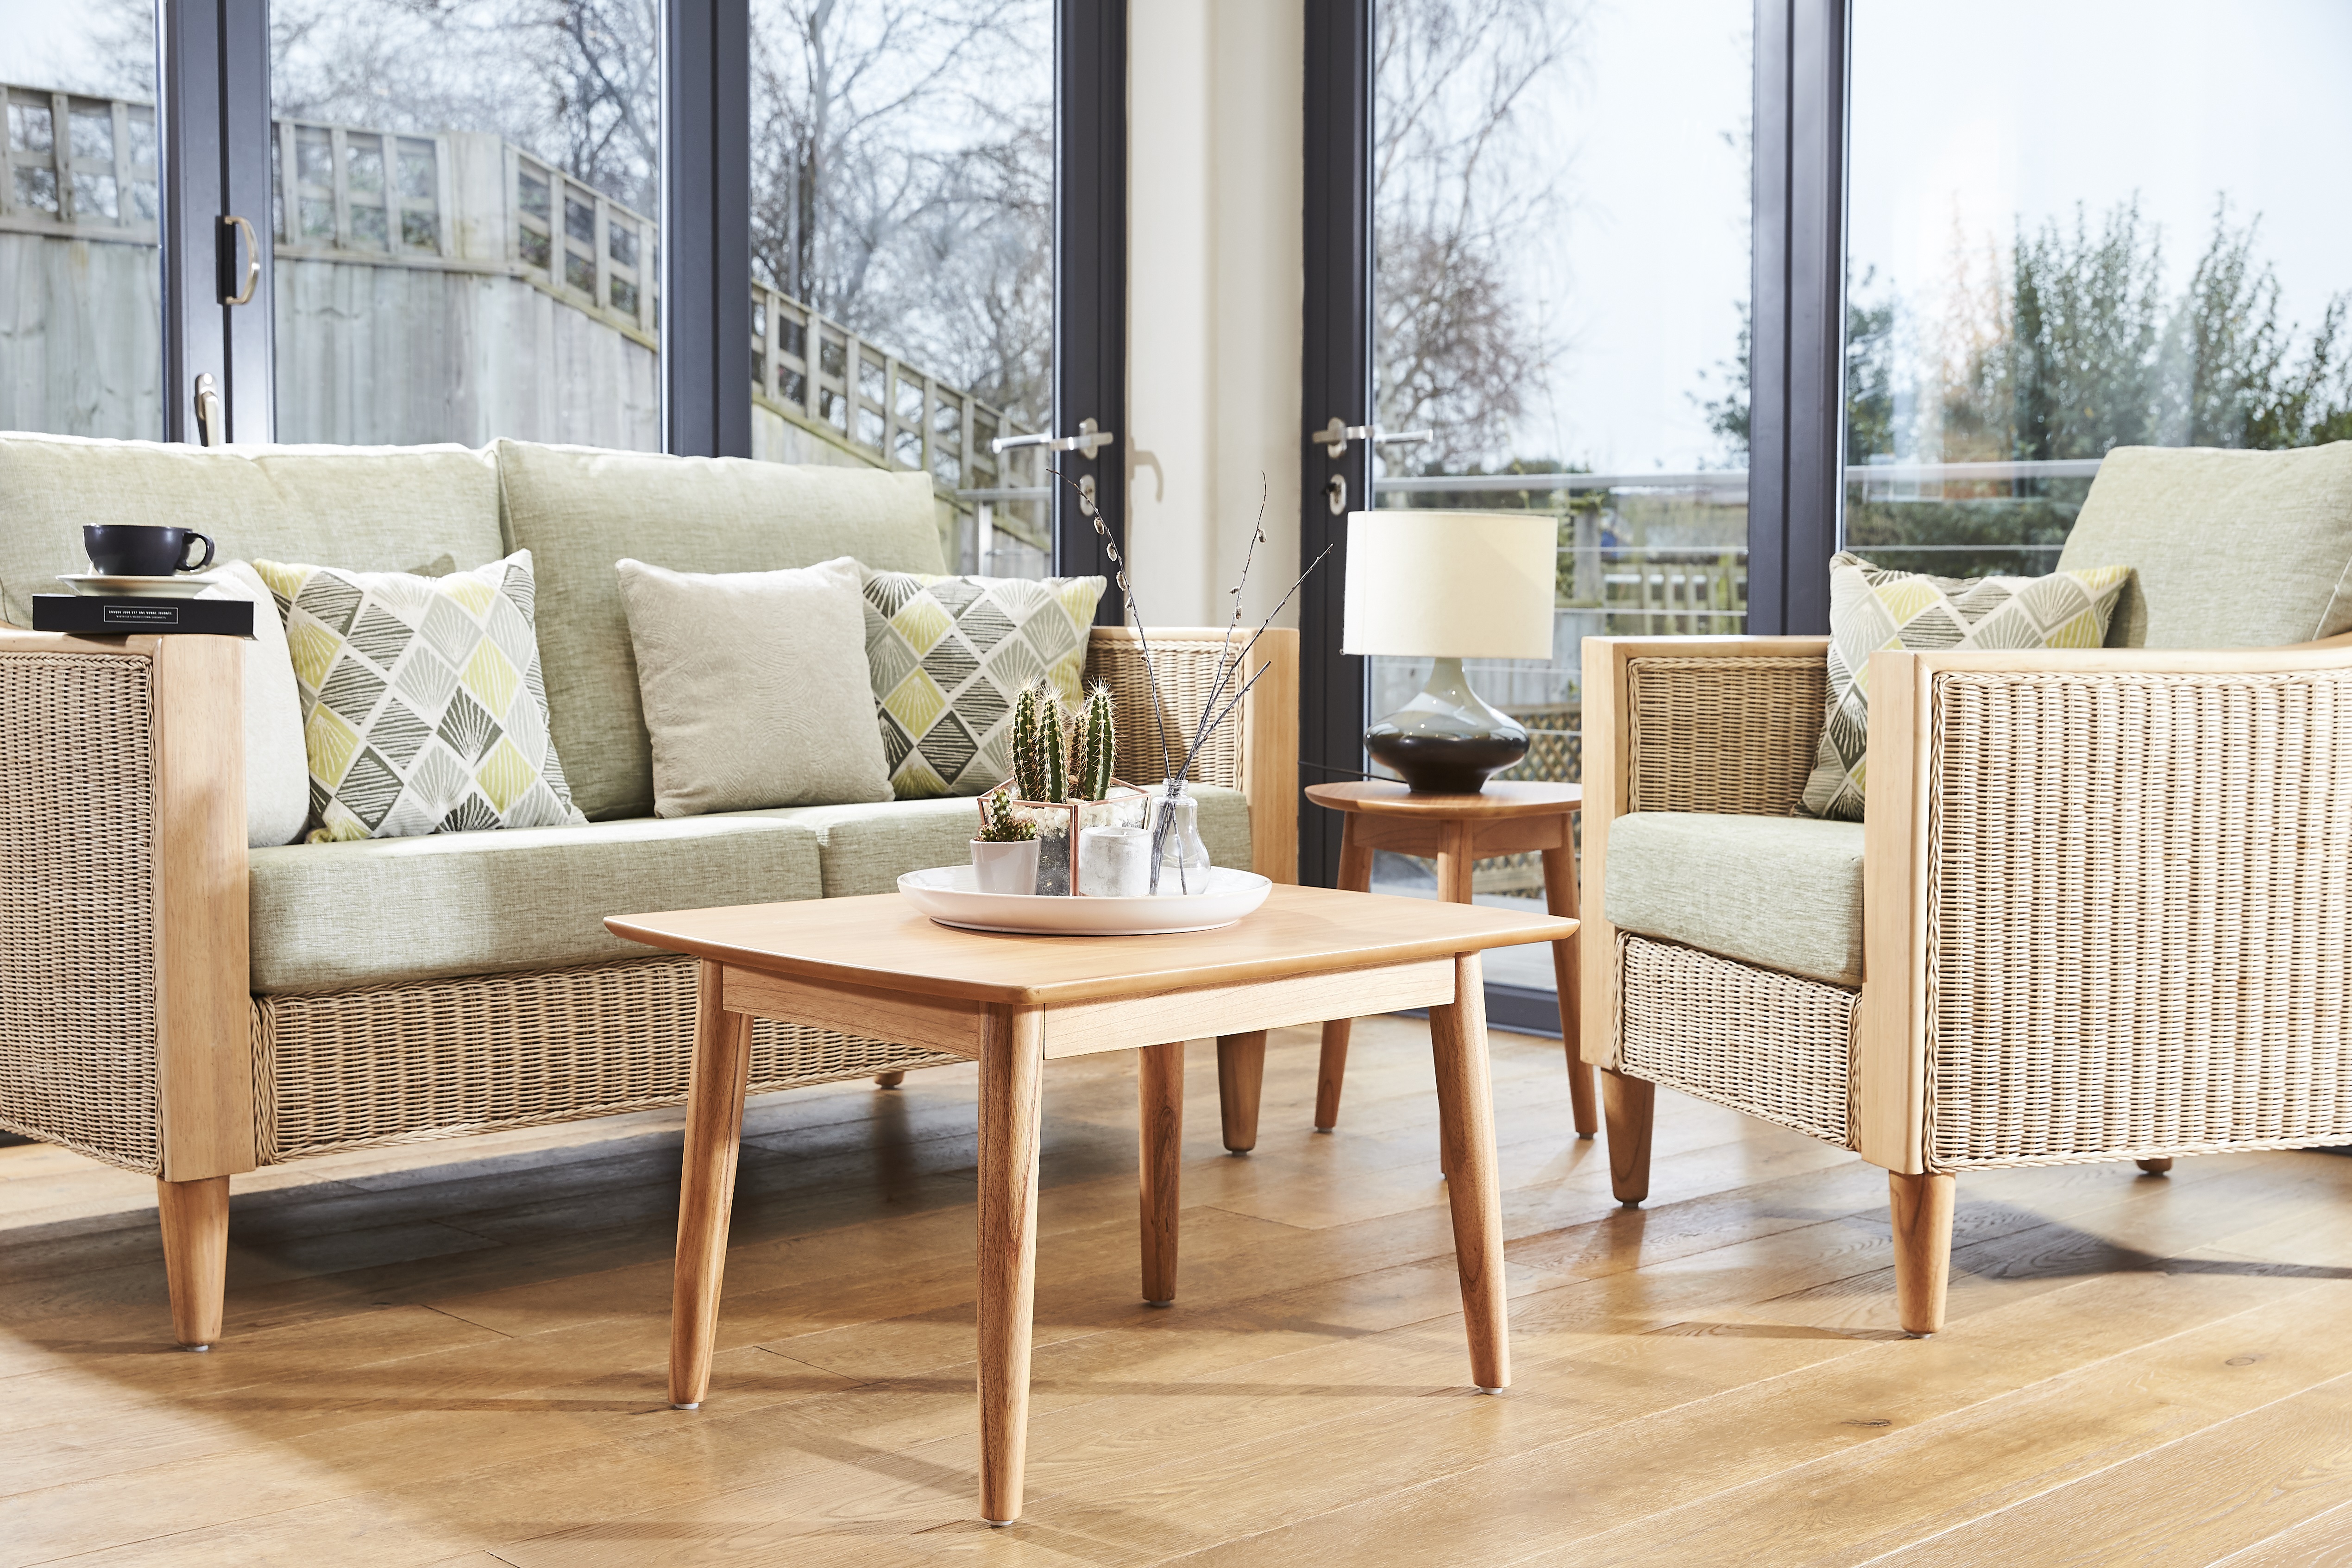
x=1129 y=614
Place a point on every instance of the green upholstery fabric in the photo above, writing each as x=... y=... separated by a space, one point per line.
x=370 y=509
x=2231 y=549
x=579 y=511
x=1784 y=892
x=327 y=917
x=866 y=849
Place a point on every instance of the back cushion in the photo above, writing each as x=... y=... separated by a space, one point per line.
x=580 y=510
x=370 y=509
x=2230 y=548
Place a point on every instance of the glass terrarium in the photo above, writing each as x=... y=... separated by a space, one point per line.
x=1058 y=822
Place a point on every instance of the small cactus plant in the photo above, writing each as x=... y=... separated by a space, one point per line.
x=997 y=822
x=1041 y=753
x=1094 y=747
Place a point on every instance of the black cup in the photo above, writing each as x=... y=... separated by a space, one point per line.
x=141 y=550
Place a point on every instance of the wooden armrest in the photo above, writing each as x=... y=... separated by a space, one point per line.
x=131 y=753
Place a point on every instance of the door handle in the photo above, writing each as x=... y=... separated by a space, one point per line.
x=1088 y=441
x=1334 y=438
x=208 y=411
x=231 y=225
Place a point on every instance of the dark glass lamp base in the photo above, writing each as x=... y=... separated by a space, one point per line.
x=1447 y=764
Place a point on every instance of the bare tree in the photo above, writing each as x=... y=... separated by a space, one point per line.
x=902 y=179
x=1463 y=185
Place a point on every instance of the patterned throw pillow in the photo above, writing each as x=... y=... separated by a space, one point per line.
x=1872 y=609
x=422 y=706
x=947 y=656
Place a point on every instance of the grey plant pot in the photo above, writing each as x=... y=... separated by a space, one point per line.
x=1005 y=868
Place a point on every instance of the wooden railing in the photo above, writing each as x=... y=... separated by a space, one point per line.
x=77 y=167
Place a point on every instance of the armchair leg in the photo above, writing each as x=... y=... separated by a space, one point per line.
x=888 y=1079
x=1626 y=1104
x=2157 y=1167
x=196 y=1256
x=1922 y=1208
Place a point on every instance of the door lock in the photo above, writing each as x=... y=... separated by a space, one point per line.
x=208 y=411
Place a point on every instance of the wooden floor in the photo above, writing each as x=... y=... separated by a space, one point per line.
x=454 y=1355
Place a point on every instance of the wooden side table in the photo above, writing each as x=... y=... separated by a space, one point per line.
x=873 y=966
x=1455 y=830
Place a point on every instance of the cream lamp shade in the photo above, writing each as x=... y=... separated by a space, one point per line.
x=1450 y=584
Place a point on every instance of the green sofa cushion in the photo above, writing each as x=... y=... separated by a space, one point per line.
x=2230 y=548
x=328 y=917
x=1783 y=892
x=866 y=849
x=579 y=511
x=370 y=509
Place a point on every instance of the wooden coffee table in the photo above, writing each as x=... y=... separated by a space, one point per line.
x=873 y=966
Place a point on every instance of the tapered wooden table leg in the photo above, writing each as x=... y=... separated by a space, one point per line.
x=196 y=1256
x=1560 y=898
x=1012 y=1066
x=1241 y=1074
x=1160 y=1134
x=1355 y=877
x=1465 y=1112
x=1631 y=1106
x=714 y=1134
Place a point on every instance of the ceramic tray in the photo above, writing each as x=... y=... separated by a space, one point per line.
x=94 y=584
x=949 y=895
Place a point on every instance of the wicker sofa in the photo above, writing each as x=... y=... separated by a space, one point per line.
x=2101 y=905
x=174 y=1002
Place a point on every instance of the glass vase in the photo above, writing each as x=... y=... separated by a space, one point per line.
x=1183 y=864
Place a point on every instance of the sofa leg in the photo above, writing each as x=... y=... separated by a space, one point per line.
x=2156 y=1167
x=888 y=1079
x=1241 y=1073
x=1922 y=1209
x=196 y=1256
x=1626 y=1105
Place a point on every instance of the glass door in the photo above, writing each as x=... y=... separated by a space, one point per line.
x=81 y=314
x=1560 y=274
x=2102 y=240
x=465 y=201
x=902 y=254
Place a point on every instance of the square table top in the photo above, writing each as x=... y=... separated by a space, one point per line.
x=882 y=942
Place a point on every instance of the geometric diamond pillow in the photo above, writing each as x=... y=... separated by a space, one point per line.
x=948 y=654
x=422 y=711
x=1872 y=609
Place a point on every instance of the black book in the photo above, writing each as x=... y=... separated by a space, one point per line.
x=90 y=615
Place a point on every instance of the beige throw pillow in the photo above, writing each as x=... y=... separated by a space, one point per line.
x=755 y=687
x=277 y=768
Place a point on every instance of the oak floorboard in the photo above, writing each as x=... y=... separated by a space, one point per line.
x=454 y=1354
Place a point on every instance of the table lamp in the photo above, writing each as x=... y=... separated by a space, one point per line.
x=1449 y=585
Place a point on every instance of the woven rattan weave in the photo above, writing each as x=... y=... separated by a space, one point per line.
x=77 y=905
x=1187 y=668
x=442 y=1059
x=2140 y=915
x=1772 y=1045
x=1732 y=735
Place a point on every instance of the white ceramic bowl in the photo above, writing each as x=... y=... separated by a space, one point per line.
x=950 y=895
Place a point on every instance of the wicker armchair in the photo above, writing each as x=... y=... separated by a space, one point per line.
x=2102 y=908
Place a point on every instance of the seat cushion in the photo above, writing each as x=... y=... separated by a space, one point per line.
x=328 y=917
x=866 y=849
x=372 y=508
x=1781 y=892
x=2230 y=548
x=579 y=511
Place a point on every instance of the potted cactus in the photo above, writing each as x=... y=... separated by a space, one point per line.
x=1004 y=855
x=1065 y=771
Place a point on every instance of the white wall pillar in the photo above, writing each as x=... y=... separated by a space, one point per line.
x=1214 y=288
